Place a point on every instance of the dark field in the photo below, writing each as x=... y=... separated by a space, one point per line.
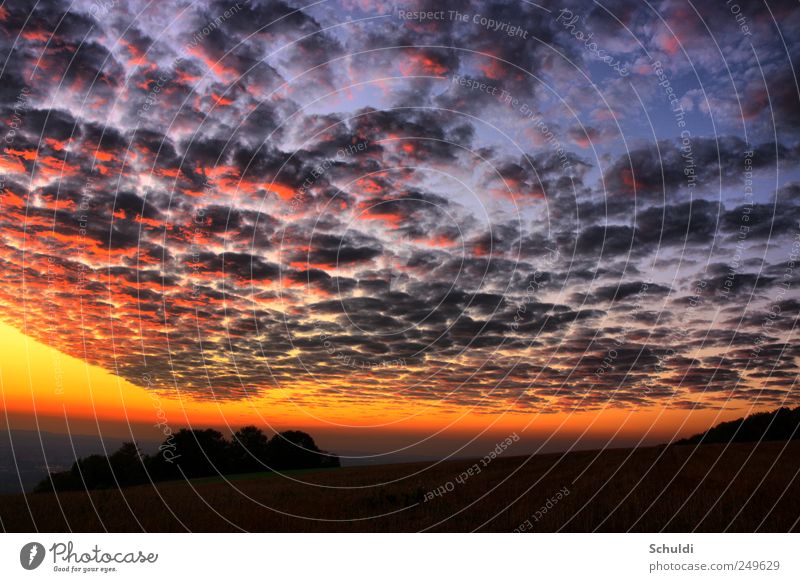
x=604 y=495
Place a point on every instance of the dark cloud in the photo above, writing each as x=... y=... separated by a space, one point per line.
x=283 y=192
x=675 y=168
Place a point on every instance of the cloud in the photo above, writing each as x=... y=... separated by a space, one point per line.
x=284 y=200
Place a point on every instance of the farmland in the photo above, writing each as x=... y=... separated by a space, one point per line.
x=739 y=487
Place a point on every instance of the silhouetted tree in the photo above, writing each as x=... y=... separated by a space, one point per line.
x=249 y=450
x=330 y=460
x=192 y=453
x=94 y=471
x=128 y=466
x=779 y=425
x=200 y=453
x=59 y=481
x=294 y=449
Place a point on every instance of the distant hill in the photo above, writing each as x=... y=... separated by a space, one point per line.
x=27 y=455
x=782 y=424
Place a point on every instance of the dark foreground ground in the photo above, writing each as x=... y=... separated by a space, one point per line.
x=745 y=488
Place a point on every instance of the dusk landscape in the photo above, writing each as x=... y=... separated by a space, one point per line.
x=352 y=265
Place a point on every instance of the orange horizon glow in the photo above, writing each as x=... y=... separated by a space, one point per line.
x=38 y=382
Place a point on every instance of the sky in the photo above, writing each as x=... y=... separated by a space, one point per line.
x=409 y=226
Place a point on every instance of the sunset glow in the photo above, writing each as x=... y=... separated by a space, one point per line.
x=242 y=214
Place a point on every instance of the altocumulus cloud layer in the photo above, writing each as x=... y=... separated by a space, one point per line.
x=500 y=205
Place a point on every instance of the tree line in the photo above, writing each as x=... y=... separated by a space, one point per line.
x=782 y=424
x=192 y=453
